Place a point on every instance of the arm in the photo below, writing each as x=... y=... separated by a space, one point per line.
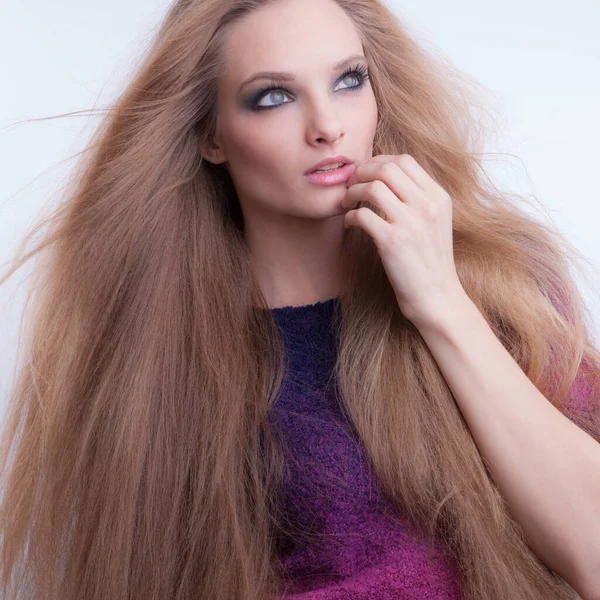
x=546 y=467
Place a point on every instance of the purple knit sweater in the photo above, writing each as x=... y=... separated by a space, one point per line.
x=341 y=543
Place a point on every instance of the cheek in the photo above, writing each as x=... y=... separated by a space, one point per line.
x=371 y=117
x=256 y=147
x=259 y=162
x=362 y=125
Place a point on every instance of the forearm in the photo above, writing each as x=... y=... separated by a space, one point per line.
x=546 y=467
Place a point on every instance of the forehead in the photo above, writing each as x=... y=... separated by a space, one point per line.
x=289 y=35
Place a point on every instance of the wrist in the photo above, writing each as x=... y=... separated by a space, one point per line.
x=446 y=312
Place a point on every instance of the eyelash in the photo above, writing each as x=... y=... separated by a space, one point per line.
x=360 y=71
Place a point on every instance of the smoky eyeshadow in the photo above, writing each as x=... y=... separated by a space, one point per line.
x=250 y=99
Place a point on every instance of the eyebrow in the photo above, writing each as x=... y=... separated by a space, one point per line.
x=285 y=76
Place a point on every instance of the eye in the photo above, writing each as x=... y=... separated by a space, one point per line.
x=360 y=73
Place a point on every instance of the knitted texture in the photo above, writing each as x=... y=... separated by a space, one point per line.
x=341 y=540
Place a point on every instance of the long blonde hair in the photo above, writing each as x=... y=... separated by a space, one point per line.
x=132 y=461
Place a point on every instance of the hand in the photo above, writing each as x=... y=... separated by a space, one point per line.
x=415 y=240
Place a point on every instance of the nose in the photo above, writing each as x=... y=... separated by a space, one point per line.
x=325 y=125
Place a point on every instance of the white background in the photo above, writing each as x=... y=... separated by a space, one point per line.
x=540 y=61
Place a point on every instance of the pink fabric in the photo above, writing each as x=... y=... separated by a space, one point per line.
x=580 y=390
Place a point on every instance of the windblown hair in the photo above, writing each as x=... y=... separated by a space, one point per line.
x=134 y=464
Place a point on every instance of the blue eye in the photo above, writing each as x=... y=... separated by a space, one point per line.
x=360 y=73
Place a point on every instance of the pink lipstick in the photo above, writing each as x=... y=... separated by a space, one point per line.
x=331 y=171
x=333 y=177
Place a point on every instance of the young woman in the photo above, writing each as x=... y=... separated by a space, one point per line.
x=244 y=380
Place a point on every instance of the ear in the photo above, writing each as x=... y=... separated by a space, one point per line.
x=213 y=152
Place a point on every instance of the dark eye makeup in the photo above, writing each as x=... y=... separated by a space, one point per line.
x=360 y=72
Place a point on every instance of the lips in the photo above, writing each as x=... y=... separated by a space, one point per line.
x=333 y=177
x=326 y=162
x=329 y=168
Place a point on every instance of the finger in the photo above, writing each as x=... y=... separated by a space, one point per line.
x=368 y=221
x=411 y=167
x=377 y=193
x=390 y=173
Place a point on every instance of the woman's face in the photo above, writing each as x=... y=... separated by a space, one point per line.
x=270 y=138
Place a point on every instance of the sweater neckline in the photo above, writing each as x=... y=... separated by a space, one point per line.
x=305 y=308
